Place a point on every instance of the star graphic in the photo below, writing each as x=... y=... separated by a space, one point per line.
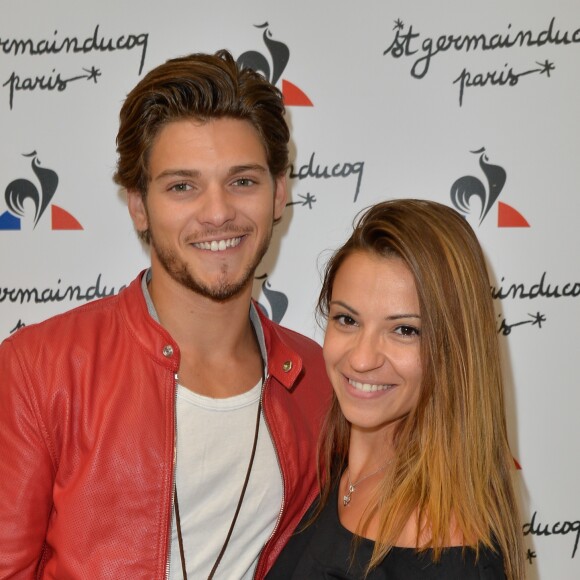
x=530 y=556
x=93 y=73
x=398 y=24
x=547 y=67
x=537 y=318
x=308 y=200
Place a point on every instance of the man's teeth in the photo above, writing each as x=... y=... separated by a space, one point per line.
x=368 y=387
x=218 y=245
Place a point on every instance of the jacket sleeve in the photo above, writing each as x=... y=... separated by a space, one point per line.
x=26 y=470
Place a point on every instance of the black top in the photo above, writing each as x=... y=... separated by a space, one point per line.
x=323 y=552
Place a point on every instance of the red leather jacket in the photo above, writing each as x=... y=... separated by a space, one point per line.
x=87 y=440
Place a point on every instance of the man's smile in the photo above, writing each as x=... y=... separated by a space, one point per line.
x=219 y=245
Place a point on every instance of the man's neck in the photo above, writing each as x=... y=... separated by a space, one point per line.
x=219 y=354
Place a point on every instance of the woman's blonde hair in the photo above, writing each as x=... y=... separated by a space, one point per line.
x=453 y=466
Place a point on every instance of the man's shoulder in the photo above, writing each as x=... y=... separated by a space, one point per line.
x=295 y=337
x=73 y=323
x=292 y=338
x=57 y=326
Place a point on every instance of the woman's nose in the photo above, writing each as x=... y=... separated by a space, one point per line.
x=366 y=353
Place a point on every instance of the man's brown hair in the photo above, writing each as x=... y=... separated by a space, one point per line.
x=201 y=87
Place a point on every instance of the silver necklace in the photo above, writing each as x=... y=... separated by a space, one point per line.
x=351 y=487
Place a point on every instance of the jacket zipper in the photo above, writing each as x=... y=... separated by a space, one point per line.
x=277 y=524
x=168 y=563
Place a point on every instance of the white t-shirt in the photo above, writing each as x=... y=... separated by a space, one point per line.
x=214 y=444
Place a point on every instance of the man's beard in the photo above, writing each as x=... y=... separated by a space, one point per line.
x=223 y=290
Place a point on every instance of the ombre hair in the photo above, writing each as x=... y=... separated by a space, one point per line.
x=453 y=466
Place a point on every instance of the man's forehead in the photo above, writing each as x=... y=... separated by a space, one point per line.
x=226 y=136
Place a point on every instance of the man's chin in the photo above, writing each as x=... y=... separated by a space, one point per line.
x=222 y=294
x=218 y=291
x=218 y=286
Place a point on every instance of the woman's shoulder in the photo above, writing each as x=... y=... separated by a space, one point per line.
x=454 y=562
x=417 y=528
x=457 y=560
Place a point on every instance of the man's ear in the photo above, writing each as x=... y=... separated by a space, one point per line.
x=137 y=210
x=280 y=195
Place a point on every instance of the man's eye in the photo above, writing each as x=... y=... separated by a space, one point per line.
x=244 y=182
x=180 y=187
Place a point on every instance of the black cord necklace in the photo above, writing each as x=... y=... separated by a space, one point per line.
x=242 y=493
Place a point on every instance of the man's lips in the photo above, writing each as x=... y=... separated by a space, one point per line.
x=219 y=245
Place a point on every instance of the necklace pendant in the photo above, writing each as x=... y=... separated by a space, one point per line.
x=346 y=498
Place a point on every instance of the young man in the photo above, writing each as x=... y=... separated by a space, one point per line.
x=169 y=431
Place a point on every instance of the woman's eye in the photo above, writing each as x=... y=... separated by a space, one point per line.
x=344 y=320
x=407 y=331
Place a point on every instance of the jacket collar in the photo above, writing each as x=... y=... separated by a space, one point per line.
x=282 y=361
x=146 y=331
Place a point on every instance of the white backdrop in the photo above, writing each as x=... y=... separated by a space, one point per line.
x=455 y=101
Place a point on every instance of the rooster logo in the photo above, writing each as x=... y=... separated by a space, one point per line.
x=468 y=187
x=19 y=191
x=272 y=69
x=277 y=301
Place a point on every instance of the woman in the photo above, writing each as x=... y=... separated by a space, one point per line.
x=416 y=463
